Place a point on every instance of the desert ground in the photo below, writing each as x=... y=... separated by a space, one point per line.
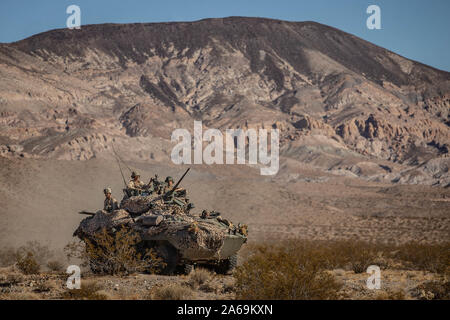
x=364 y=143
x=40 y=201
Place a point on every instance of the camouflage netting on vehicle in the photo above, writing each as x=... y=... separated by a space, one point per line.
x=191 y=232
x=103 y=220
x=138 y=204
x=186 y=231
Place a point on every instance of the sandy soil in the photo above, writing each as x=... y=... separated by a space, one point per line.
x=40 y=201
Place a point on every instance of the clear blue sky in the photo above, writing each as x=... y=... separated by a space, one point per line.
x=416 y=29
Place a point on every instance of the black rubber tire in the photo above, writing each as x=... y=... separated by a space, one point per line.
x=227 y=266
x=170 y=257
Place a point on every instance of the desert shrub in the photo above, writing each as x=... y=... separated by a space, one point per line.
x=115 y=253
x=27 y=263
x=391 y=295
x=43 y=287
x=41 y=253
x=7 y=256
x=8 y=280
x=55 y=265
x=281 y=272
x=433 y=290
x=89 y=290
x=430 y=257
x=172 y=292
x=360 y=255
x=19 y=296
x=199 y=277
x=354 y=255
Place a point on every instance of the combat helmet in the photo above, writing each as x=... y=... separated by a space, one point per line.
x=169 y=178
x=135 y=174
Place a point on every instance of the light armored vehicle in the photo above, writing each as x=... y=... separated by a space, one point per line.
x=166 y=224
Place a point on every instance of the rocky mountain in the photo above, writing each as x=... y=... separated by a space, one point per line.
x=342 y=104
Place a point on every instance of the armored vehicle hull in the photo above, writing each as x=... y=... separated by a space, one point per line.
x=180 y=238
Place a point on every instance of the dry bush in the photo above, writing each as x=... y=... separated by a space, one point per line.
x=391 y=295
x=359 y=255
x=90 y=290
x=55 y=265
x=8 y=280
x=27 y=263
x=19 y=296
x=7 y=256
x=43 y=287
x=346 y=254
x=433 y=290
x=115 y=253
x=41 y=253
x=199 y=277
x=171 y=292
x=430 y=257
x=282 y=272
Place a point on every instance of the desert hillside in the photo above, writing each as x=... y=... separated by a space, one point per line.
x=364 y=132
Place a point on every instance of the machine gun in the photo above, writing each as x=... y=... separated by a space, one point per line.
x=169 y=193
x=87 y=213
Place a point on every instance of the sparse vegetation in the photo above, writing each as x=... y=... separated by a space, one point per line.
x=27 y=263
x=89 y=291
x=433 y=258
x=433 y=290
x=295 y=269
x=199 y=277
x=55 y=265
x=274 y=272
x=171 y=292
x=40 y=252
x=115 y=253
x=391 y=295
x=29 y=258
x=42 y=287
x=7 y=256
x=8 y=280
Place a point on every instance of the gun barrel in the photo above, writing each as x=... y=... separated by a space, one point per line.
x=176 y=185
x=179 y=181
x=87 y=213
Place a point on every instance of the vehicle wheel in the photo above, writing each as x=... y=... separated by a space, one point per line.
x=227 y=266
x=186 y=269
x=170 y=258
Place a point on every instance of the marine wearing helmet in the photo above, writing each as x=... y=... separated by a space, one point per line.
x=110 y=204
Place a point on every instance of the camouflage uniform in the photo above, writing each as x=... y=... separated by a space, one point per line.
x=178 y=192
x=136 y=184
x=110 y=205
x=134 y=188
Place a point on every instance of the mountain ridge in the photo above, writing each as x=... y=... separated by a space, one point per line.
x=69 y=93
